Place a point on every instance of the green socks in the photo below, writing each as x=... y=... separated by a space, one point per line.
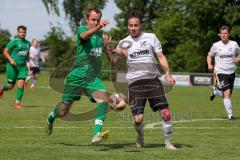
x=5 y=87
x=19 y=95
x=53 y=115
x=100 y=117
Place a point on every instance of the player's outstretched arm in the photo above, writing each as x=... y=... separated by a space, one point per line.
x=6 y=53
x=87 y=34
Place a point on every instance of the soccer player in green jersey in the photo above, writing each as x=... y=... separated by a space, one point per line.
x=84 y=75
x=16 y=52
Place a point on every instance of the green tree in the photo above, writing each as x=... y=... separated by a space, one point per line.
x=61 y=46
x=4 y=39
x=190 y=22
x=74 y=9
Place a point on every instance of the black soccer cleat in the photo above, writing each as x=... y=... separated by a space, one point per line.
x=212 y=97
x=213 y=94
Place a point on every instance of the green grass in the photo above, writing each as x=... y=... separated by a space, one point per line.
x=200 y=131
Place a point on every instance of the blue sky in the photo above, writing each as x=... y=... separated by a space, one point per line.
x=33 y=14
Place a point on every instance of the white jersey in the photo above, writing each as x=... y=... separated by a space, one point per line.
x=141 y=61
x=224 y=56
x=34 y=54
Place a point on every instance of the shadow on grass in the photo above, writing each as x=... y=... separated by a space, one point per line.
x=125 y=145
x=106 y=146
x=36 y=106
x=163 y=145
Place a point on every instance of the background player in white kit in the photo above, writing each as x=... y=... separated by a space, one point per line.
x=143 y=77
x=226 y=54
x=34 y=55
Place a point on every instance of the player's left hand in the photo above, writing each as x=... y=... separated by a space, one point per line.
x=106 y=40
x=123 y=52
x=170 y=79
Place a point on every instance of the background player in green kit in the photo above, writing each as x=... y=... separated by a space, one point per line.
x=84 y=75
x=16 y=52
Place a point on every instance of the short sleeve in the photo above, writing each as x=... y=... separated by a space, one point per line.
x=237 y=49
x=11 y=45
x=80 y=30
x=157 y=47
x=124 y=43
x=213 y=50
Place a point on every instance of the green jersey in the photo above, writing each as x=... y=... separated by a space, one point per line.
x=89 y=53
x=19 y=50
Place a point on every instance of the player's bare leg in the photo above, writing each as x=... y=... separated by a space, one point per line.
x=138 y=125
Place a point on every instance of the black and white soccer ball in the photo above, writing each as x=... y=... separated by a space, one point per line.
x=117 y=101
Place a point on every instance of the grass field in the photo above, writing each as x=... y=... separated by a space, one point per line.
x=201 y=130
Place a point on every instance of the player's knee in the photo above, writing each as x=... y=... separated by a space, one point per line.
x=165 y=113
x=10 y=86
x=100 y=96
x=138 y=119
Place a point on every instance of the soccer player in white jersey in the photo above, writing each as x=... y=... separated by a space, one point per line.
x=140 y=49
x=34 y=55
x=226 y=54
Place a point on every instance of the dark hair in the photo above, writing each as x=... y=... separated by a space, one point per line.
x=22 y=27
x=98 y=11
x=224 y=28
x=136 y=14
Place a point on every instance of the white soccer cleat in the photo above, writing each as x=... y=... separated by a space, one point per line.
x=32 y=86
x=99 y=137
x=170 y=146
x=230 y=117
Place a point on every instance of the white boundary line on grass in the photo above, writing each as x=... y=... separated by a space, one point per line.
x=148 y=126
x=152 y=125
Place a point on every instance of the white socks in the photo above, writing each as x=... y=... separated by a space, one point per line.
x=167 y=129
x=228 y=106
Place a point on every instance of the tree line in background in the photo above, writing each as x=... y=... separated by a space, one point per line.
x=186 y=28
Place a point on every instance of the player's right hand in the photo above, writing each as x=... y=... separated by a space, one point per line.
x=104 y=23
x=12 y=62
x=123 y=52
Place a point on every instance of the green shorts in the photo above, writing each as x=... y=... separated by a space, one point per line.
x=15 y=73
x=77 y=83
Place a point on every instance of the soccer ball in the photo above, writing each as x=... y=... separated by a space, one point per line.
x=117 y=101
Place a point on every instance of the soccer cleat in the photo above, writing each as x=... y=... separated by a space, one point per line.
x=170 y=146
x=231 y=117
x=213 y=94
x=99 y=137
x=1 y=91
x=140 y=141
x=32 y=86
x=18 y=105
x=48 y=127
